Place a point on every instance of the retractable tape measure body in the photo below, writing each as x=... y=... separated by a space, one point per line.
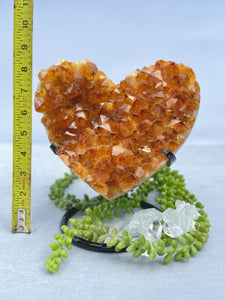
x=22 y=114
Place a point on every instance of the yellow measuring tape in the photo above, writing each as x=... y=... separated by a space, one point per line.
x=22 y=114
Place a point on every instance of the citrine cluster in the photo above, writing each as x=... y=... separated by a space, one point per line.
x=113 y=136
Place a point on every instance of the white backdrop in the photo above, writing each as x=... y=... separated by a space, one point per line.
x=121 y=36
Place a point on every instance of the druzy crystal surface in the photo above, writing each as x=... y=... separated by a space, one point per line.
x=112 y=136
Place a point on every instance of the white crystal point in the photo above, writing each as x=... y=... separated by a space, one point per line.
x=180 y=220
x=173 y=223
x=146 y=222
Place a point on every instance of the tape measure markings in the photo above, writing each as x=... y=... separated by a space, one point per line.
x=22 y=114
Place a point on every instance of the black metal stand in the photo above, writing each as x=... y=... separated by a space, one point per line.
x=53 y=147
x=85 y=244
x=171 y=157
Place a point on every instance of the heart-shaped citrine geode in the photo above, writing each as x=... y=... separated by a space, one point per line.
x=113 y=136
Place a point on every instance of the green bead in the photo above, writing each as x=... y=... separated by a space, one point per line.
x=112 y=242
x=199 y=205
x=128 y=210
x=174 y=244
x=58 y=260
x=186 y=254
x=73 y=222
x=120 y=246
x=160 y=251
x=202 y=212
x=163 y=207
x=161 y=243
x=54 y=253
x=192 y=233
x=201 y=218
x=193 y=250
x=57 y=236
x=63 y=253
x=168 y=258
x=106 y=227
x=68 y=246
x=73 y=232
x=126 y=240
x=131 y=248
x=141 y=239
x=137 y=253
x=152 y=255
x=96 y=211
x=109 y=214
x=203 y=239
x=68 y=240
x=102 y=238
x=102 y=215
x=55 y=266
x=100 y=224
x=89 y=212
x=130 y=237
x=189 y=238
x=171 y=250
x=182 y=240
x=155 y=245
x=178 y=256
x=137 y=243
x=114 y=231
x=147 y=245
x=124 y=233
x=48 y=261
x=60 y=242
x=54 y=246
x=199 y=245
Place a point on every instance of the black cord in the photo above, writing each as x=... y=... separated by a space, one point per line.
x=85 y=244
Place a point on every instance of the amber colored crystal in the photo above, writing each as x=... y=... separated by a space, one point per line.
x=112 y=136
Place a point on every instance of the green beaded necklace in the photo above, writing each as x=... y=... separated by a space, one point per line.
x=171 y=186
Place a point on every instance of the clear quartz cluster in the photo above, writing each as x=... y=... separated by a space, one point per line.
x=112 y=136
x=180 y=220
x=146 y=222
x=176 y=221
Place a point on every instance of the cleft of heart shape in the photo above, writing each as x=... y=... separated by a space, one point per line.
x=113 y=136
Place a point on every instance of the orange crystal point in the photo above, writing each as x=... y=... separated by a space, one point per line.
x=112 y=136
